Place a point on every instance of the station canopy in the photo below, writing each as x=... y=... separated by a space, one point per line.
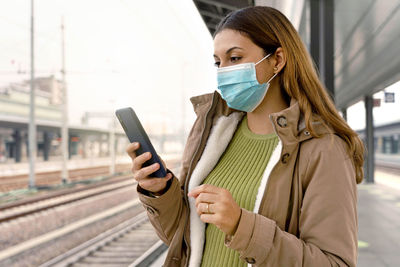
x=366 y=40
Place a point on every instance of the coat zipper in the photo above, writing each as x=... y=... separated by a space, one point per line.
x=187 y=181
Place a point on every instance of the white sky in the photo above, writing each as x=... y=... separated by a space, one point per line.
x=386 y=113
x=133 y=53
x=150 y=55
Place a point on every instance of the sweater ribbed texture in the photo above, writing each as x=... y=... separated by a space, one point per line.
x=239 y=170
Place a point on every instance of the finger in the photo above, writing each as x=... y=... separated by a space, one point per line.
x=168 y=176
x=145 y=172
x=139 y=160
x=131 y=148
x=209 y=208
x=155 y=180
x=199 y=209
x=207 y=198
x=204 y=208
x=151 y=181
x=205 y=188
x=208 y=218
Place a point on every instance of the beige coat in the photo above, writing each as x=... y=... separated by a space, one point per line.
x=306 y=207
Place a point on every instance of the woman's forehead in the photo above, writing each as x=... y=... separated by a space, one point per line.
x=226 y=39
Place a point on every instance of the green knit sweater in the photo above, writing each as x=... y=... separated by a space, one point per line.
x=239 y=170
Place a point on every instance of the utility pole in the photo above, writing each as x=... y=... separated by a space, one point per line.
x=32 y=125
x=64 y=130
x=112 y=145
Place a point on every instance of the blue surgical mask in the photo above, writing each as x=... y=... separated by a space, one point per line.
x=239 y=86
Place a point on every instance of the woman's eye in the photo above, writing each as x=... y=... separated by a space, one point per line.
x=216 y=64
x=235 y=59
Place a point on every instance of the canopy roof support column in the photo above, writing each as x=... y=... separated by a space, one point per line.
x=370 y=160
x=322 y=41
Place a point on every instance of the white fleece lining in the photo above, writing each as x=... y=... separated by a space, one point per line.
x=220 y=136
x=219 y=139
x=273 y=160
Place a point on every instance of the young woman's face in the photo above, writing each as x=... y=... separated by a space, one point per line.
x=232 y=47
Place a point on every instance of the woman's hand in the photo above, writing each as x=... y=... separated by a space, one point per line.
x=216 y=205
x=141 y=175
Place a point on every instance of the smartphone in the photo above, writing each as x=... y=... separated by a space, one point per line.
x=135 y=132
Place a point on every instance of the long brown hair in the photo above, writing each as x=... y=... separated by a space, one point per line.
x=269 y=29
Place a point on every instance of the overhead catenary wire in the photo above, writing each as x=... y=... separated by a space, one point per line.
x=19 y=44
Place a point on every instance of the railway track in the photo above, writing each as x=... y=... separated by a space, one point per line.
x=46 y=179
x=34 y=251
x=42 y=208
x=31 y=206
x=124 y=245
x=8 y=183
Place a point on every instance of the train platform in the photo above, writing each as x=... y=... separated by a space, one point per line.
x=379 y=221
x=55 y=164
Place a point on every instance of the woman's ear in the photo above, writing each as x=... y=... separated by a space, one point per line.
x=280 y=59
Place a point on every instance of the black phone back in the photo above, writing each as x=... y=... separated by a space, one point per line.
x=135 y=132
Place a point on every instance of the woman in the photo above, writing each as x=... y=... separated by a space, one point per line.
x=270 y=168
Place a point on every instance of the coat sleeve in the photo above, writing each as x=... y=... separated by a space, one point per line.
x=327 y=222
x=166 y=211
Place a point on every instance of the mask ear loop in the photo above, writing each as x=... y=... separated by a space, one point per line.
x=273 y=76
x=262 y=59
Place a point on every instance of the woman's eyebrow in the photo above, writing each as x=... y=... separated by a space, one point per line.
x=230 y=49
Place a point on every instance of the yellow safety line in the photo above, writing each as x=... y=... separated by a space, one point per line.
x=362 y=244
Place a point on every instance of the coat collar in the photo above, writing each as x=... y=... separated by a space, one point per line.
x=289 y=124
